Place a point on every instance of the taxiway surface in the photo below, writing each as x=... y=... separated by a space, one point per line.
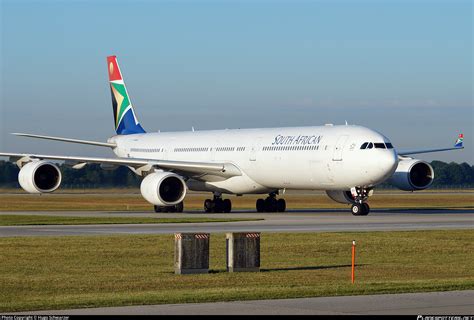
x=446 y=303
x=327 y=220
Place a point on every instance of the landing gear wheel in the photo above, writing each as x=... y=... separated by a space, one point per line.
x=270 y=204
x=217 y=205
x=281 y=205
x=176 y=208
x=164 y=209
x=356 y=209
x=365 y=209
x=179 y=207
x=260 y=205
x=226 y=205
x=360 y=196
x=208 y=206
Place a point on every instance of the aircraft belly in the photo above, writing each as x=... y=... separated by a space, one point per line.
x=235 y=185
x=284 y=171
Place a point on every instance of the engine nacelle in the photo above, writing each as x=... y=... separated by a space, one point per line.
x=412 y=175
x=39 y=177
x=163 y=188
x=340 y=196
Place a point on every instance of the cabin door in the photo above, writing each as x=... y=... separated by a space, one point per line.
x=337 y=156
x=254 y=149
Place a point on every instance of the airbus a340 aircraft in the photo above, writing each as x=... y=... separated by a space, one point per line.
x=346 y=161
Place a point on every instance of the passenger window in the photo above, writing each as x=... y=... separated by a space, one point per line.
x=364 y=145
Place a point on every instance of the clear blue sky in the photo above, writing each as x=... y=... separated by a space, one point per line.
x=404 y=68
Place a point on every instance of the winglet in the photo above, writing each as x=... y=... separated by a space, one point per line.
x=459 y=141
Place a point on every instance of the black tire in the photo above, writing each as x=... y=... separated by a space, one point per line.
x=365 y=209
x=281 y=205
x=260 y=205
x=179 y=207
x=356 y=209
x=208 y=206
x=270 y=204
x=158 y=209
x=227 y=205
x=218 y=205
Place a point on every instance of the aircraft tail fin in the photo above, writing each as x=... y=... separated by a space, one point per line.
x=125 y=119
x=459 y=141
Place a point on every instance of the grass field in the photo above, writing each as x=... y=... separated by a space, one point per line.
x=134 y=202
x=26 y=220
x=91 y=271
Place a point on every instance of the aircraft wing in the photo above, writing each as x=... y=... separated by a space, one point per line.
x=93 y=143
x=187 y=168
x=457 y=146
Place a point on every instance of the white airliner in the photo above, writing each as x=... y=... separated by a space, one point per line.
x=346 y=161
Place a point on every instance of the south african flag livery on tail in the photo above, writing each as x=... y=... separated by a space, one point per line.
x=124 y=117
x=459 y=141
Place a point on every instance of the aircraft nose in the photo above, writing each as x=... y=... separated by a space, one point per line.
x=388 y=163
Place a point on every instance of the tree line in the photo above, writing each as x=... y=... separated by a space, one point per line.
x=93 y=176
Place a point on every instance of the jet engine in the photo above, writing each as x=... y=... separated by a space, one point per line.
x=412 y=175
x=341 y=196
x=39 y=177
x=163 y=188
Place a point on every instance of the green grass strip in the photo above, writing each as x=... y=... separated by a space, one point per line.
x=41 y=273
x=28 y=220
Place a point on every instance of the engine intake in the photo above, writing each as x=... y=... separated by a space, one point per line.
x=40 y=177
x=412 y=175
x=163 y=188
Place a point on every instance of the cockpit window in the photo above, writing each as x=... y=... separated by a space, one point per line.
x=379 y=145
x=376 y=145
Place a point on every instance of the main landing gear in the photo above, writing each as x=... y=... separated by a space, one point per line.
x=176 y=208
x=271 y=204
x=360 y=207
x=217 y=205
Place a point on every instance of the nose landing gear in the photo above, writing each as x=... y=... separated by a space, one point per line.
x=361 y=195
x=360 y=209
